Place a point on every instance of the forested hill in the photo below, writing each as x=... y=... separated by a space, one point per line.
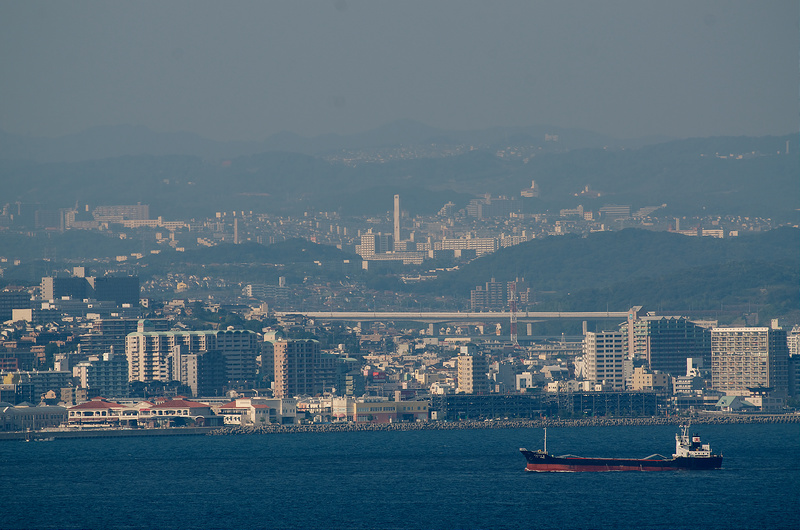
x=638 y=267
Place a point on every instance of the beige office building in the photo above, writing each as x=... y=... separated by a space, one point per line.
x=472 y=373
x=749 y=357
x=604 y=354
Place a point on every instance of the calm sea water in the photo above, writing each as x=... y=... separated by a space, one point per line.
x=426 y=480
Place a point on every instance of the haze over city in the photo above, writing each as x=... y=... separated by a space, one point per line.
x=247 y=70
x=342 y=264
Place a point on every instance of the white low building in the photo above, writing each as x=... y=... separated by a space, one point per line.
x=569 y=386
x=260 y=411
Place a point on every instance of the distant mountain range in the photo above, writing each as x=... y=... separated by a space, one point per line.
x=714 y=176
x=133 y=140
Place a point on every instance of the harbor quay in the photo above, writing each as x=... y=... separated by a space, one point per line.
x=71 y=434
x=503 y=424
x=234 y=430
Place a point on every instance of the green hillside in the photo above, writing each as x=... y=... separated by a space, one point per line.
x=662 y=271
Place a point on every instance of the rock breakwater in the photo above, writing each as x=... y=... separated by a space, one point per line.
x=500 y=424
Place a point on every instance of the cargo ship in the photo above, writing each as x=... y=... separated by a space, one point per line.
x=690 y=453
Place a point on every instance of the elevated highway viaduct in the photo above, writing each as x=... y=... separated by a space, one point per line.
x=457 y=316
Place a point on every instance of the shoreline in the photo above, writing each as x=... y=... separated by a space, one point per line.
x=47 y=436
x=501 y=424
x=236 y=430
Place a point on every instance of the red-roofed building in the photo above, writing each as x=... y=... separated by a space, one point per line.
x=101 y=412
x=179 y=412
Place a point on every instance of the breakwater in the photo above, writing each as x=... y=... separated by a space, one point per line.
x=501 y=424
x=707 y=419
x=66 y=434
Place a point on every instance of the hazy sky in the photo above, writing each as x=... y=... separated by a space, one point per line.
x=237 y=70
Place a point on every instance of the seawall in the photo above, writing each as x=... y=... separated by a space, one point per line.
x=501 y=424
x=716 y=419
x=39 y=436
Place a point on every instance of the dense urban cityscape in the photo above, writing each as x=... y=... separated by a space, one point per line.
x=82 y=351
x=344 y=264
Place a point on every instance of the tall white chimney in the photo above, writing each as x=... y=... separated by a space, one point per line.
x=396 y=218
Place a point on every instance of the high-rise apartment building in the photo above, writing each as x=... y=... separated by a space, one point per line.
x=149 y=352
x=497 y=295
x=492 y=297
x=13 y=298
x=274 y=294
x=108 y=333
x=472 y=370
x=604 y=355
x=56 y=287
x=32 y=385
x=665 y=342
x=614 y=212
x=522 y=292
x=744 y=358
x=104 y=376
x=122 y=212
x=793 y=377
x=301 y=369
x=372 y=243
x=481 y=245
x=489 y=207
x=203 y=371
x=117 y=289
x=793 y=340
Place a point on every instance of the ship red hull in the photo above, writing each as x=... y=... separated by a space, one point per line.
x=590 y=467
x=543 y=462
